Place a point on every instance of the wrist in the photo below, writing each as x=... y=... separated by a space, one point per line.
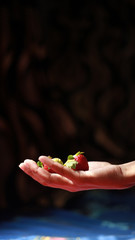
x=128 y=174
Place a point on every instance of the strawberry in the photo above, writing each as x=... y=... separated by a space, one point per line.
x=40 y=164
x=77 y=162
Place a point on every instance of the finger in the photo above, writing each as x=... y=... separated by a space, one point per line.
x=44 y=177
x=31 y=168
x=21 y=165
x=60 y=169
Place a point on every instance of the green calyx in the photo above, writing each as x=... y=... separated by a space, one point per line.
x=71 y=163
x=70 y=157
x=40 y=164
x=79 y=153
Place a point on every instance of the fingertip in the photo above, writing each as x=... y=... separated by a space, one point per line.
x=20 y=165
x=43 y=159
x=27 y=160
x=43 y=156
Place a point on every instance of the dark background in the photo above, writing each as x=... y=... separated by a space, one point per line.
x=67 y=72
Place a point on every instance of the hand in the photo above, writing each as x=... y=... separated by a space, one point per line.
x=101 y=175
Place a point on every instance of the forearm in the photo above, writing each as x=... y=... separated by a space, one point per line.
x=112 y=176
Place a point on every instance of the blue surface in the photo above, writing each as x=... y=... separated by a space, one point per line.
x=65 y=224
x=104 y=222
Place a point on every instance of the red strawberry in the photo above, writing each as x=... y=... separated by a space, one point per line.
x=82 y=161
x=77 y=162
x=48 y=169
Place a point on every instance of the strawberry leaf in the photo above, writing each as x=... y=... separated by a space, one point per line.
x=40 y=164
x=79 y=153
x=71 y=164
x=70 y=157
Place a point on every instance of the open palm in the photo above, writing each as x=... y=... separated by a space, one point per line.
x=101 y=175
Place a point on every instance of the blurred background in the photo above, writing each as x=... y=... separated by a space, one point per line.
x=67 y=84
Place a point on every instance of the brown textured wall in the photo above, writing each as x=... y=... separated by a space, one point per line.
x=67 y=83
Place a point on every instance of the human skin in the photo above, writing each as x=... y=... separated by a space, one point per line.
x=101 y=175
